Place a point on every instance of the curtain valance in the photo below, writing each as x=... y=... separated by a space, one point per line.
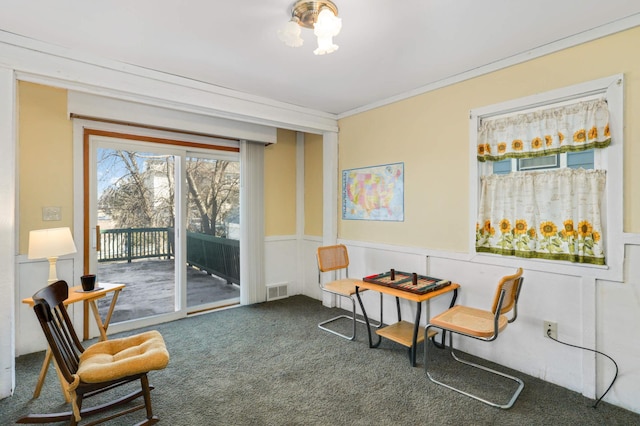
x=576 y=127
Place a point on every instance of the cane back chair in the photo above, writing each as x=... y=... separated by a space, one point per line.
x=336 y=258
x=482 y=325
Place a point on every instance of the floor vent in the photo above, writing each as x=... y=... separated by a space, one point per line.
x=277 y=291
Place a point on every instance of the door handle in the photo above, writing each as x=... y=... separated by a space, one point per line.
x=98 y=239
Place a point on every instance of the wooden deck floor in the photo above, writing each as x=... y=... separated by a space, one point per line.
x=150 y=288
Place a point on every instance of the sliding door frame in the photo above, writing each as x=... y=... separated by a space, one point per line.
x=184 y=142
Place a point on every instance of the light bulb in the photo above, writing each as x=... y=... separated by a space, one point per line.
x=327 y=24
x=325 y=45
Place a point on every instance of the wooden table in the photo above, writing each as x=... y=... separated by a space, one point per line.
x=403 y=332
x=88 y=299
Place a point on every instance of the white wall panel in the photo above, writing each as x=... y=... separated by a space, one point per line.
x=618 y=334
x=309 y=246
x=7 y=230
x=565 y=299
x=280 y=263
x=33 y=275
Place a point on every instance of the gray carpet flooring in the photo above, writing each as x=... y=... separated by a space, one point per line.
x=269 y=364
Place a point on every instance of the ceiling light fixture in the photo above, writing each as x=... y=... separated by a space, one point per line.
x=322 y=16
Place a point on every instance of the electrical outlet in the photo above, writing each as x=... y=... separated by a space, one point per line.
x=550 y=329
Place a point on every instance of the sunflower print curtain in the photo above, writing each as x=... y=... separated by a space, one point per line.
x=576 y=127
x=550 y=215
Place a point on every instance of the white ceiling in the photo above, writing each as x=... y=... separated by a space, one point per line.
x=387 y=47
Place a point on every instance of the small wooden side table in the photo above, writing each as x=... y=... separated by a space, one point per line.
x=88 y=298
x=403 y=332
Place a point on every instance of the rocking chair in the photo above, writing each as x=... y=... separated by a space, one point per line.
x=101 y=367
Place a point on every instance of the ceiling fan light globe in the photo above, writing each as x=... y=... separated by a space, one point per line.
x=289 y=33
x=327 y=24
x=325 y=46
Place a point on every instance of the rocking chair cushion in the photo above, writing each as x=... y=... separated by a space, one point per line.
x=118 y=358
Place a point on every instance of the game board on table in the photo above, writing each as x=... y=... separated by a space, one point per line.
x=406 y=281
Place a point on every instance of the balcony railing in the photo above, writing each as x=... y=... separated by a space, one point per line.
x=135 y=243
x=216 y=256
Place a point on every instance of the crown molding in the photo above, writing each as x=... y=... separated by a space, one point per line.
x=43 y=63
x=556 y=46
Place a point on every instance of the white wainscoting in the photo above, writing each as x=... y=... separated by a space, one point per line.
x=592 y=313
x=281 y=263
x=597 y=314
x=309 y=246
x=618 y=332
x=32 y=276
x=293 y=261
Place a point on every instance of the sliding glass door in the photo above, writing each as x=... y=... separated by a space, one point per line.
x=163 y=220
x=213 y=231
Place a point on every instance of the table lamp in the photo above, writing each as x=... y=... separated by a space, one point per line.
x=49 y=244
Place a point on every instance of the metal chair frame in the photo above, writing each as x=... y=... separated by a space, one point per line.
x=500 y=308
x=339 y=267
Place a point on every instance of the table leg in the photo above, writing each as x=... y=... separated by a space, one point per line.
x=96 y=314
x=85 y=320
x=107 y=320
x=63 y=383
x=102 y=326
x=43 y=373
x=48 y=357
x=416 y=329
x=366 y=320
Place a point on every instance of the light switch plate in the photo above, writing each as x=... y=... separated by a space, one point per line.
x=51 y=213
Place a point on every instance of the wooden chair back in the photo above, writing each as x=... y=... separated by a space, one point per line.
x=331 y=258
x=509 y=287
x=58 y=328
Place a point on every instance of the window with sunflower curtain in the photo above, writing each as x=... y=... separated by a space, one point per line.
x=550 y=214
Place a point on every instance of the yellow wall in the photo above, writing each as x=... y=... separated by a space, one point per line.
x=45 y=151
x=313 y=185
x=280 y=185
x=46 y=166
x=429 y=133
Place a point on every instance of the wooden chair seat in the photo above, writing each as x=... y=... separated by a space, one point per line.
x=344 y=286
x=469 y=321
x=336 y=258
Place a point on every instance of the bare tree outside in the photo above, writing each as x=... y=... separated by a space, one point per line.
x=143 y=193
x=126 y=201
x=136 y=207
x=214 y=192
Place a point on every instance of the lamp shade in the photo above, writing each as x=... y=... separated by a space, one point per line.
x=47 y=243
